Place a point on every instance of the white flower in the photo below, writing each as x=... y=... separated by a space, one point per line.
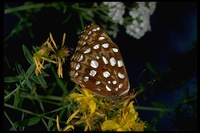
x=139 y=23
x=152 y=7
x=116 y=11
x=140 y=19
x=135 y=30
x=134 y=13
x=110 y=4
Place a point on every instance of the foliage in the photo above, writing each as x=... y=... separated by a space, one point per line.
x=33 y=101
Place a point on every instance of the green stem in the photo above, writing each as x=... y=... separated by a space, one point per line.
x=153 y=109
x=10 y=120
x=26 y=7
x=55 y=98
x=14 y=90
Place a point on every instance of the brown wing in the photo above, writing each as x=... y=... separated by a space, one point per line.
x=97 y=64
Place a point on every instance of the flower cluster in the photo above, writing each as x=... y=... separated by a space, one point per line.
x=116 y=11
x=99 y=114
x=140 y=19
x=49 y=52
x=137 y=23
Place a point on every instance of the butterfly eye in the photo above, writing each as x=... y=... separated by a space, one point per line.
x=97 y=64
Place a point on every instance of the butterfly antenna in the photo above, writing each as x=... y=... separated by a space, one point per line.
x=140 y=76
x=144 y=85
x=133 y=89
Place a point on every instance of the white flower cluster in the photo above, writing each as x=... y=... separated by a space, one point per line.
x=140 y=19
x=138 y=23
x=116 y=11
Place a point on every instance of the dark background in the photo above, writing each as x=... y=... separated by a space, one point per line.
x=170 y=47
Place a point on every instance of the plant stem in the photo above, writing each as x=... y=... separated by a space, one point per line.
x=26 y=7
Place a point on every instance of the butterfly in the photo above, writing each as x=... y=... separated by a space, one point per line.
x=97 y=64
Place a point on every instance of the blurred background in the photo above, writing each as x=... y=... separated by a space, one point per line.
x=167 y=97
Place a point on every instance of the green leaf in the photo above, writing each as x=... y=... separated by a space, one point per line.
x=13 y=79
x=40 y=102
x=20 y=69
x=50 y=123
x=61 y=84
x=27 y=122
x=152 y=70
x=47 y=65
x=42 y=80
x=30 y=70
x=35 y=79
x=17 y=97
x=28 y=83
x=27 y=54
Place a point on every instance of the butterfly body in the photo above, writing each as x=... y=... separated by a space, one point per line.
x=97 y=64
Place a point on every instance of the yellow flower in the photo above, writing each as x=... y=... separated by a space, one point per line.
x=85 y=114
x=125 y=120
x=39 y=57
x=50 y=52
x=97 y=113
x=67 y=128
x=86 y=99
x=59 y=54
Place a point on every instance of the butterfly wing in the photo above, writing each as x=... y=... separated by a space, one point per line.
x=97 y=64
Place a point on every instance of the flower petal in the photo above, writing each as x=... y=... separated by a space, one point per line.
x=92 y=106
x=75 y=96
x=109 y=125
